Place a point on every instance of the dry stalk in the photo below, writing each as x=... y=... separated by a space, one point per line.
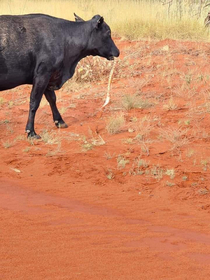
x=109 y=84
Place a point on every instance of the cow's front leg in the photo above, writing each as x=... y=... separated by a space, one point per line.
x=51 y=98
x=39 y=86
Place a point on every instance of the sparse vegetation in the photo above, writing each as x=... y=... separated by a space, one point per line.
x=49 y=137
x=7 y=144
x=4 y=121
x=93 y=141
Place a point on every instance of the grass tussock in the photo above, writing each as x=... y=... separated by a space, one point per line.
x=130 y=101
x=115 y=124
x=133 y=19
x=177 y=137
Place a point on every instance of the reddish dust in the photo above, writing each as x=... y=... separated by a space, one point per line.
x=104 y=201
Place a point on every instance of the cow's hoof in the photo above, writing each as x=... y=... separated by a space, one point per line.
x=33 y=135
x=61 y=124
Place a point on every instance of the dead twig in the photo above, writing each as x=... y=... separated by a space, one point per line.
x=109 y=84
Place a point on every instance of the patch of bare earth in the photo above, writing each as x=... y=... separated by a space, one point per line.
x=123 y=192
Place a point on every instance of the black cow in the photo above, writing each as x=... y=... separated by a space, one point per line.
x=44 y=51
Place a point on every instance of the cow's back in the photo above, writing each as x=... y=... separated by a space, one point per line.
x=24 y=40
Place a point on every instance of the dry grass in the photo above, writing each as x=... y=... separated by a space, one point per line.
x=130 y=101
x=122 y=162
x=178 y=137
x=7 y=144
x=171 y=105
x=89 y=68
x=151 y=19
x=94 y=140
x=2 y=101
x=50 y=138
x=115 y=124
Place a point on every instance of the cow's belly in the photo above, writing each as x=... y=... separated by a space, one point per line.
x=12 y=80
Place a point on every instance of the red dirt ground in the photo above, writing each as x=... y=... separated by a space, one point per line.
x=86 y=204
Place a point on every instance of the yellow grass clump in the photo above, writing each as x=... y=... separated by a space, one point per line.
x=132 y=19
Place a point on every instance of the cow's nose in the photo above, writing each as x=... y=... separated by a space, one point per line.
x=117 y=52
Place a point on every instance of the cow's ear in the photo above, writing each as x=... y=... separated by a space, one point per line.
x=98 y=20
x=77 y=18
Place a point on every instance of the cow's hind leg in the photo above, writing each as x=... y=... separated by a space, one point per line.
x=39 y=86
x=51 y=98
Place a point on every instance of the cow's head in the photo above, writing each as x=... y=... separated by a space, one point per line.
x=100 y=40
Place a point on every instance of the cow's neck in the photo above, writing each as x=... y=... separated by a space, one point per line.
x=77 y=48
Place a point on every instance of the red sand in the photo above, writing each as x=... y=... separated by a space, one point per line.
x=72 y=213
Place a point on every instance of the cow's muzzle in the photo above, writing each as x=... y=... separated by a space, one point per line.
x=110 y=57
x=115 y=54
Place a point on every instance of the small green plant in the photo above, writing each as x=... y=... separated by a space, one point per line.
x=2 y=101
x=184 y=178
x=121 y=162
x=134 y=119
x=204 y=164
x=187 y=122
x=142 y=163
x=110 y=174
x=157 y=172
x=170 y=173
x=87 y=146
x=5 y=121
x=170 y=184
x=139 y=167
x=10 y=104
x=188 y=79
